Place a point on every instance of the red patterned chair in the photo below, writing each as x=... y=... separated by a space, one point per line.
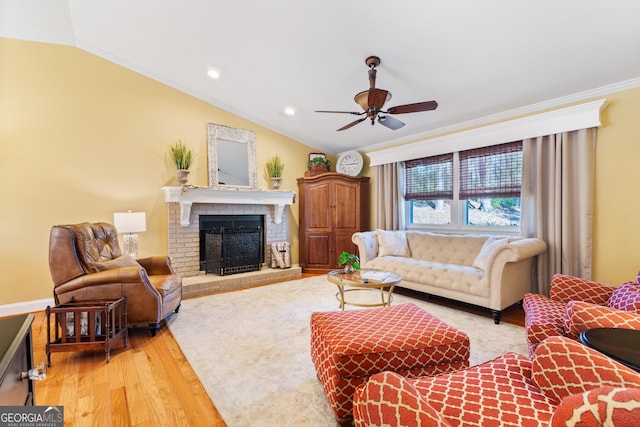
x=565 y=383
x=349 y=346
x=575 y=305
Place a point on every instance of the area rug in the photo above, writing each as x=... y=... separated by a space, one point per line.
x=251 y=349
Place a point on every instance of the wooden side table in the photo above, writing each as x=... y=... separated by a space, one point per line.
x=87 y=325
x=622 y=345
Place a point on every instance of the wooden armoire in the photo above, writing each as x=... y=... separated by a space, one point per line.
x=333 y=206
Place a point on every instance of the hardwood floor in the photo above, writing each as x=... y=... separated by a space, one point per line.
x=149 y=383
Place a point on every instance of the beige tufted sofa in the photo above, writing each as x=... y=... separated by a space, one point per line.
x=489 y=271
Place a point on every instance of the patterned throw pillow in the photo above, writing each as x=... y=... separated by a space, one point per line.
x=604 y=406
x=626 y=298
x=392 y=243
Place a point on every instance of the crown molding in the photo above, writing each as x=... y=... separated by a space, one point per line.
x=579 y=116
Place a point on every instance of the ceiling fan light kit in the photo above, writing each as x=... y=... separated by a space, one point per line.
x=372 y=100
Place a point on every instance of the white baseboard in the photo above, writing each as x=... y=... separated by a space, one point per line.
x=25 y=307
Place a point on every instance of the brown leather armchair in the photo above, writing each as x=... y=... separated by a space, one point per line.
x=86 y=263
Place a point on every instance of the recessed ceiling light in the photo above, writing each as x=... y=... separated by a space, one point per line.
x=213 y=74
x=289 y=111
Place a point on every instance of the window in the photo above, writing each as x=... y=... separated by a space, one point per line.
x=429 y=184
x=477 y=188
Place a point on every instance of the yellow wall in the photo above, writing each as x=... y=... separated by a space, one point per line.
x=616 y=257
x=81 y=138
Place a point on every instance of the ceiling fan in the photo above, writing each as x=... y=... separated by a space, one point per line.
x=373 y=99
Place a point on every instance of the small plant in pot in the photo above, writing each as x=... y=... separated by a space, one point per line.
x=319 y=163
x=274 y=168
x=182 y=158
x=350 y=262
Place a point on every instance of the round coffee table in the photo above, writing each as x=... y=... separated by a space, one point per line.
x=620 y=344
x=362 y=281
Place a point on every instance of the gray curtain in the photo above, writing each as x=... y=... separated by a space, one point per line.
x=557 y=202
x=388 y=193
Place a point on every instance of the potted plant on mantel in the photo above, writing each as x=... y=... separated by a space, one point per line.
x=182 y=158
x=274 y=168
x=350 y=262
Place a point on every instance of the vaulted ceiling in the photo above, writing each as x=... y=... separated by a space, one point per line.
x=481 y=60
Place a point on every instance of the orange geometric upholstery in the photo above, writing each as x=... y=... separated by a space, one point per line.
x=603 y=406
x=347 y=347
x=580 y=316
x=565 y=288
x=510 y=390
x=575 y=305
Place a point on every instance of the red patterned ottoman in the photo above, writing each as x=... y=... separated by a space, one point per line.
x=347 y=347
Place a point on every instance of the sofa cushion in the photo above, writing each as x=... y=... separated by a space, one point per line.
x=445 y=249
x=458 y=278
x=626 y=298
x=392 y=243
x=482 y=259
x=603 y=406
x=118 y=262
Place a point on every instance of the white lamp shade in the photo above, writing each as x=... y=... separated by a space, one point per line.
x=130 y=222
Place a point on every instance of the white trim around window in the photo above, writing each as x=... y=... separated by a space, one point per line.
x=581 y=116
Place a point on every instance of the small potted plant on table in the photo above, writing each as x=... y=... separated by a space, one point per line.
x=350 y=262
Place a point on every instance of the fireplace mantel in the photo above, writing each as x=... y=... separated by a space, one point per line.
x=186 y=196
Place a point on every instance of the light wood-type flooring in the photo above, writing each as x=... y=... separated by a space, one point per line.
x=149 y=383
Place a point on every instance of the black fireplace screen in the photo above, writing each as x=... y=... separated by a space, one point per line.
x=231 y=244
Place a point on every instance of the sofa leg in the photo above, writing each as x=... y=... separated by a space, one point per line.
x=153 y=328
x=496 y=316
x=177 y=308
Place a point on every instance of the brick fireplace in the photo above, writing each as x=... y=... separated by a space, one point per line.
x=185 y=205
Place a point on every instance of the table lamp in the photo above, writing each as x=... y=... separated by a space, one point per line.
x=130 y=223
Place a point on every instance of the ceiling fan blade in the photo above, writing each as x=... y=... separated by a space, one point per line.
x=390 y=122
x=413 y=108
x=352 y=124
x=378 y=97
x=341 y=112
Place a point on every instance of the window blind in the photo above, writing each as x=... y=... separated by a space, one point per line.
x=429 y=178
x=491 y=172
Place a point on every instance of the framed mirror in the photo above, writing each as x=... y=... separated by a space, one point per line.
x=232 y=157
